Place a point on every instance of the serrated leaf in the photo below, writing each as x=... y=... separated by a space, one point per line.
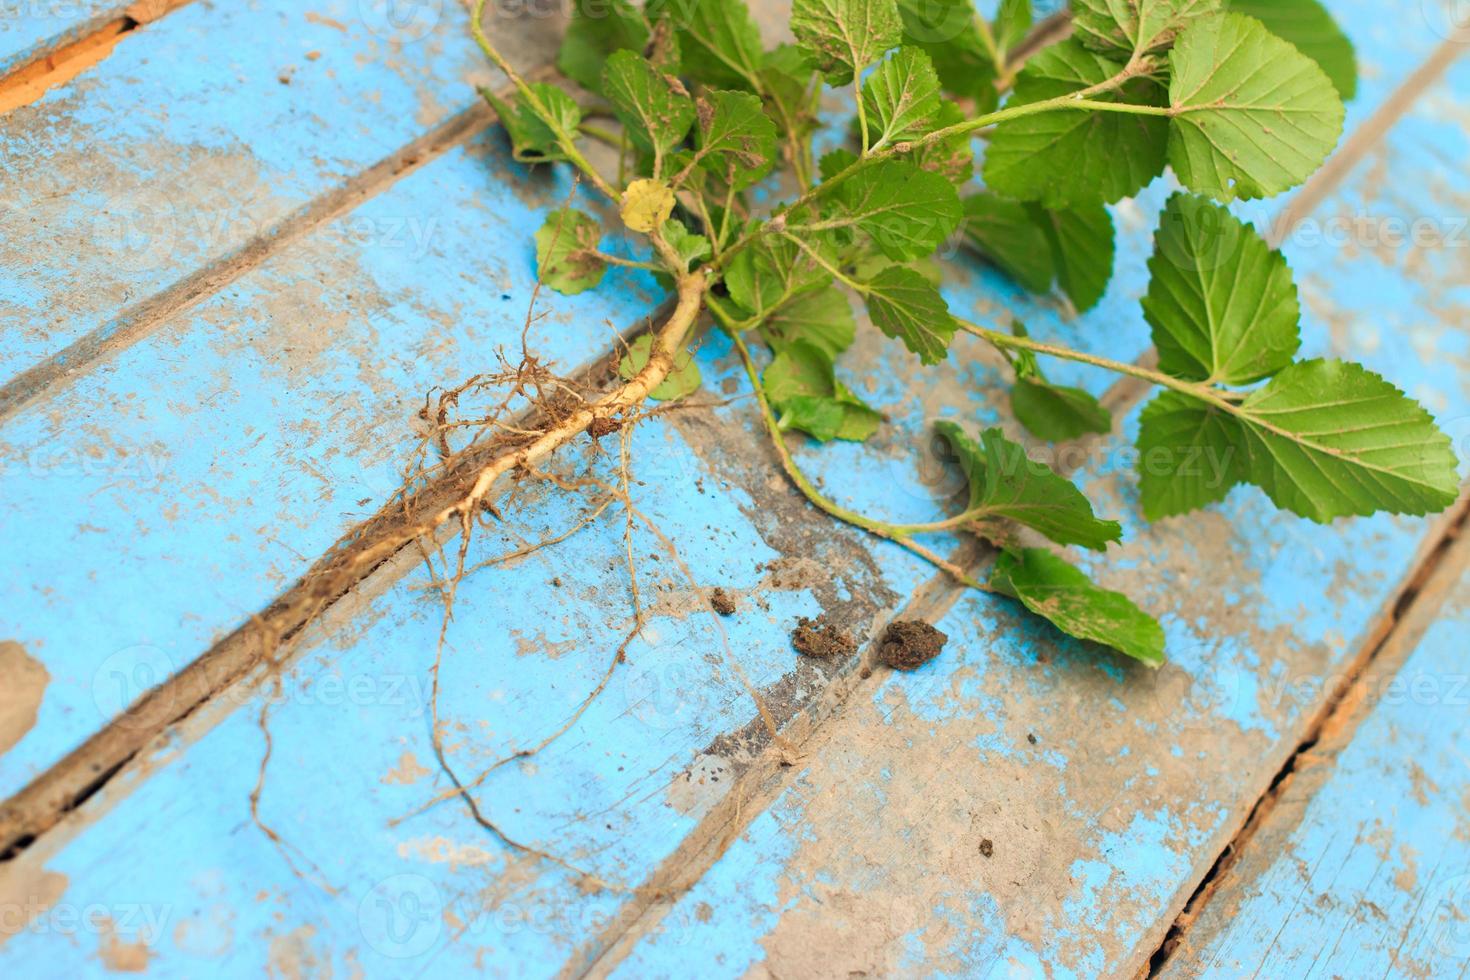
x=1123 y=28
x=906 y=306
x=1007 y=233
x=945 y=29
x=1324 y=439
x=953 y=157
x=737 y=140
x=1221 y=302
x=1253 y=116
x=801 y=384
x=683 y=380
x=646 y=205
x=565 y=248
x=769 y=273
x=1309 y=26
x=719 y=41
x=1061 y=594
x=845 y=36
x=836 y=161
x=1189 y=455
x=1330 y=439
x=1069 y=157
x=907 y=212
x=596 y=29
x=1082 y=246
x=532 y=139
x=1006 y=483
x=901 y=98
x=655 y=110
x=1057 y=413
x=822 y=318
x=688 y=246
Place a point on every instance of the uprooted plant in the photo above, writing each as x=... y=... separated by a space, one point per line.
x=705 y=115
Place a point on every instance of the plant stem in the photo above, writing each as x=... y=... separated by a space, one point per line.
x=1004 y=341
x=564 y=139
x=899 y=534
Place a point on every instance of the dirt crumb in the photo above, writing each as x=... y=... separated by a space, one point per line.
x=600 y=427
x=987 y=847
x=723 y=602
x=910 y=644
x=819 y=638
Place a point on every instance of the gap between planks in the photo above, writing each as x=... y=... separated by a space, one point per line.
x=138 y=321
x=56 y=66
x=1414 y=610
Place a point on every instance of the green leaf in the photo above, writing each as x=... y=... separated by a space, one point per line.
x=953 y=157
x=688 y=246
x=1056 y=413
x=1123 y=28
x=564 y=252
x=907 y=212
x=720 y=43
x=737 y=140
x=801 y=384
x=786 y=81
x=901 y=98
x=1005 y=483
x=822 y=318
x=1253 y=116
x=1082 y=249
x=1308 y=25
x=1007 y=233
x=1221 y=302
x=598 y=28
x=653 y=107
x=905 y=305
x=945 y=29
x=1189 y=455
x=1036 y=246
x=769 y=273
x=532 y=140
x=1068 y=157
x=1061 y=594
x=1013 y=22
x=835 y=162
x=845 y=36
x=1324 y=439
x=681 y=382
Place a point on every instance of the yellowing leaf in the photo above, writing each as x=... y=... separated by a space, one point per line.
x=647 y=204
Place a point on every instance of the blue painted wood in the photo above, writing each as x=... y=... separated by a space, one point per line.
x=326 y=790
x=151 y=517
x=219 y=122
x=1363 y=867
x=31 y=29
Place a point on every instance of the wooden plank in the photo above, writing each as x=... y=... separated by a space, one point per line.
x=1361 y=864
x=31 y=29
x=221 y=122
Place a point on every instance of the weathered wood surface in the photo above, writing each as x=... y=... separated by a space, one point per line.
x=326 y=348
x=31 y=29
